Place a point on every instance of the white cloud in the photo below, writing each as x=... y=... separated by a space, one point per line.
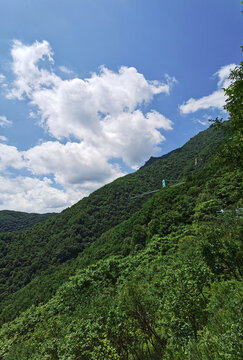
x=120 y=132
x=102 y=112
x=32 y=195
x=77 y=106
x=201 y=122
x=4 y=121
x=3 y=138
x=10 y=157
x=29 y=77
x=32 y=115
x=204 y=121
x=73 y=164
x=65 y=70
x=2 y=78
x=28 y=193
x=214 y=100
x=223 y=75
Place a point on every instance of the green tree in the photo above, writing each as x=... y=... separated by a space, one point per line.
x=232 y=151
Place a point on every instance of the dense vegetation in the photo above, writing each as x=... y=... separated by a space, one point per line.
x=15 y=220
x=24 y=255
x=164 y=283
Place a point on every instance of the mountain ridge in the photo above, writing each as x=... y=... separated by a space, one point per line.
x=156 y=286
x=150 y=278
x=63 y=236
x=11 y=220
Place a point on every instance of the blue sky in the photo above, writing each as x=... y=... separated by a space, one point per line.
x=90 y=89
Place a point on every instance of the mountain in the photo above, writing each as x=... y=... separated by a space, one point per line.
x=15 y=220
x=148 y=277
x=154 y=277
x=200 y=146
x=65 y=235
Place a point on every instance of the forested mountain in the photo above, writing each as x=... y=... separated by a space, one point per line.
x=16 y=220
x=63 y=236
x=199 y=148
x=151 y=277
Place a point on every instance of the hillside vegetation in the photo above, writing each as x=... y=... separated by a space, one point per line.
x=24 y=255
x=156 y=277
x=16 y=220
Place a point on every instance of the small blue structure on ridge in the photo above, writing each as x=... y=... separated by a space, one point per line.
x=164 y=183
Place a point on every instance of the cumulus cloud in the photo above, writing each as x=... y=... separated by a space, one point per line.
x=102 y=114
x=77 y=107
x=32 y=195
x=121 y=131
x=216 y=99
x=72 y=164
x=10 y=157
x=4 y=121
x=29 y=77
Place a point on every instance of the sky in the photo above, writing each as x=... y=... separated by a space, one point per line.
x=90 y=89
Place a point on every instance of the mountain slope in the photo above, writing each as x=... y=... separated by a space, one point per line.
x=200 y=146
x=164 y=284
x=15 y=220
x=24 y=255
x=62 y=237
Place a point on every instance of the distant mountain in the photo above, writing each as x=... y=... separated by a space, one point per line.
x=15 y=220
